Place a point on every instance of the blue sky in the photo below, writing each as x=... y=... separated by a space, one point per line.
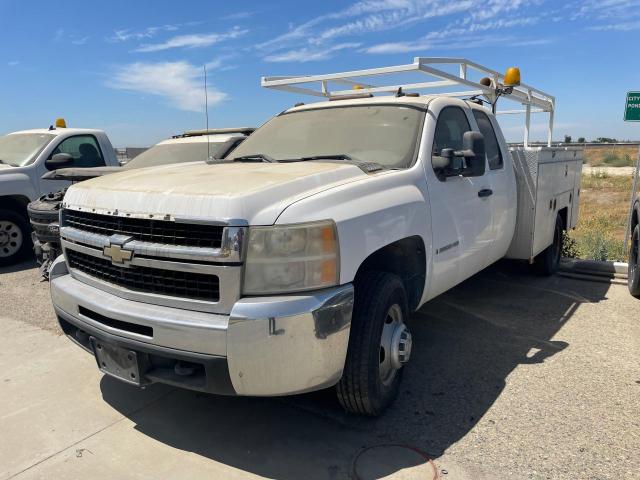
x=134 y=68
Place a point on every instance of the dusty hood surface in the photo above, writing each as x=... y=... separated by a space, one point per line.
x=255 y=192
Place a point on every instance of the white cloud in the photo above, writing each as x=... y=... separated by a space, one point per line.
x=180 y=83
x=80 y=40
x=13 y=63
x=197 y=40
x=316 y=36
x=462 y=34
x=58 y=35
x=306 y=54
x=618 y=27
x=125 y=35
x=603 y=9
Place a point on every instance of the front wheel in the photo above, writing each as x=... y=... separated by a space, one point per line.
x=15 y=240
x=633 y=278
x=548 y=261
x=379 y=345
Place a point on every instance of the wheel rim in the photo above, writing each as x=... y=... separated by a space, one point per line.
x=10 y=238
x=395 y=345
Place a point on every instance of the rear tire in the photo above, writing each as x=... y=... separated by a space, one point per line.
x=548 y=261
x=633 y=279
x=379 y=345
x=15 y=237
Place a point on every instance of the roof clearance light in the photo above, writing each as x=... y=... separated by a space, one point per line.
x=512 y=77
x=358 y=87
x=60 y=123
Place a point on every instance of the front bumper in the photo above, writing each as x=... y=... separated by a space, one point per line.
x=277 y=345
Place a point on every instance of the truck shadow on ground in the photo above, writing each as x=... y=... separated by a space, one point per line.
x=19 y=267
x=466 y=343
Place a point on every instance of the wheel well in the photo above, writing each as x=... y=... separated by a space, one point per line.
x=405 y=258
x=563 y=212
x=17 y=203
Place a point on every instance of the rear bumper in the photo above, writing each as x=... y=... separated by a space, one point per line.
x=267 y=346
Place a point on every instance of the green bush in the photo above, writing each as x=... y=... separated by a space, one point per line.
x=613 y=160
x=569 y=247
x=598 y=246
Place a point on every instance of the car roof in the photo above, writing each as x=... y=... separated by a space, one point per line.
x=60 y=131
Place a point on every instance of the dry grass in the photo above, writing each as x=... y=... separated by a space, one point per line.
x=604 y=206
x=610 y=155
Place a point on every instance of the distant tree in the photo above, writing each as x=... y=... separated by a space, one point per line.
x=567 y=139
x=581 y=140
x=606 y=140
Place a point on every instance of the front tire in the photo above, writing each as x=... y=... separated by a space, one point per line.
x=15 y=239
x=547 y=262
x=633 y=278
x=379 y=345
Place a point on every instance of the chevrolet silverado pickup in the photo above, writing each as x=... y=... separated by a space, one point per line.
x=295 y=264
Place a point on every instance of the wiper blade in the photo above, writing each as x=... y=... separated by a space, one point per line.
x=333 y=156
x=255 y=157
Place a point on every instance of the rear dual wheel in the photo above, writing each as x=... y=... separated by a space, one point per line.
x=379 y=344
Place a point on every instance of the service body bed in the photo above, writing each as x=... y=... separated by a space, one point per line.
x=548 y=182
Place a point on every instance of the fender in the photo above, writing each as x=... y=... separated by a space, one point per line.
x=17 y=183
x=370 y=215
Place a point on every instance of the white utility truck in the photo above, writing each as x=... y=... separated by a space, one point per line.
x=25 y=157
x=294 y=264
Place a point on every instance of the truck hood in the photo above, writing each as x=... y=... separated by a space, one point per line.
x=252 y=192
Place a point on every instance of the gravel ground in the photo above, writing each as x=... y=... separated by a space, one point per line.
x=513 y=376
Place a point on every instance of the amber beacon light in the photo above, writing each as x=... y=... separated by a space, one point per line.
x=512 y=77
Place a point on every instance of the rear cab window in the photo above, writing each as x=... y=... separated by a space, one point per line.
x=491 y=145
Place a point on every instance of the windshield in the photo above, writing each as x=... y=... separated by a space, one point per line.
x=384 y=134
x=19 y=149
x=167 y=153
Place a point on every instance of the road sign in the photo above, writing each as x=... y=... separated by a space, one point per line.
x=632 y=107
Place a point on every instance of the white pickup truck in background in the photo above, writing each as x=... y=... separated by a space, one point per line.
x=295 y=264
x=25 y=157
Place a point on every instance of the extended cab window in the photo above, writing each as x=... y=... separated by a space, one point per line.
x=84 y=149
x=491 y=145
x=450 y=127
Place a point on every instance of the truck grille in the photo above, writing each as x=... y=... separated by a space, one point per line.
x=146 y=230
x=174 y=283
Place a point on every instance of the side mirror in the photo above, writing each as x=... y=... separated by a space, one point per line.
x=59 y=160
x=452 y=162
x=474 y=153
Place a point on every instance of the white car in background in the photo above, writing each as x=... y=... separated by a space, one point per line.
x=191 y=146
x=24 y=157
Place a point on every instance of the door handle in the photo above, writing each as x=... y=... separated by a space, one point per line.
x=485 y=192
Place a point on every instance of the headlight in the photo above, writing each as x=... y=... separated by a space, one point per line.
x=291 y=258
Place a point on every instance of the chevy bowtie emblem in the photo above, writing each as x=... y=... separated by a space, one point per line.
x=117 y=252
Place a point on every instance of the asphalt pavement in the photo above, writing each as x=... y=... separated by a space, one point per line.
x=512 y=377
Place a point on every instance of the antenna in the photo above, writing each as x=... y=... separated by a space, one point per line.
x=206 y=111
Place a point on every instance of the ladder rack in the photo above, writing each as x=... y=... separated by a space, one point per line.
x=532 y=99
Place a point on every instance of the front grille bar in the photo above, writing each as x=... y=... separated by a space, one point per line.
x=230 y=250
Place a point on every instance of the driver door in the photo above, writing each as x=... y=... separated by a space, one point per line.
x=460 y=206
